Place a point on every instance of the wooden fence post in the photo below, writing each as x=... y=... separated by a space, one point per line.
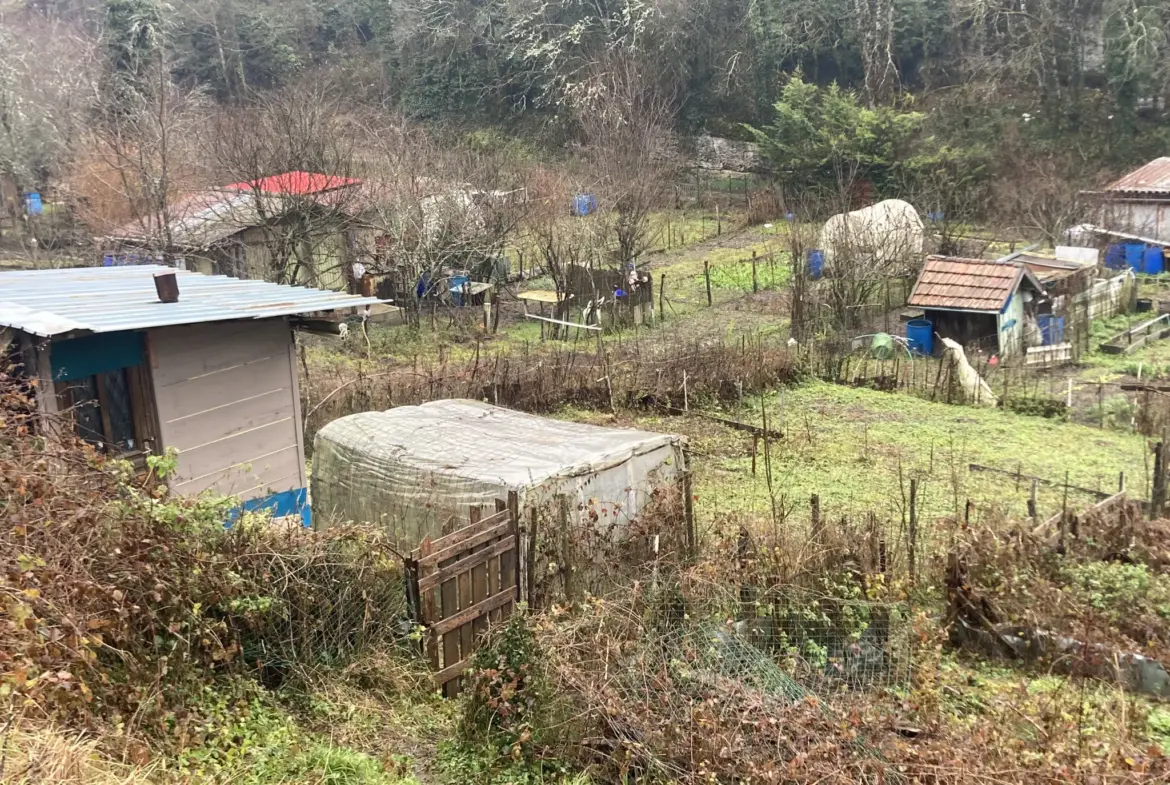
x=815 y=503
x=689 y=504
x=1032 y=500
x=1158 y=494
x=662 y=298
x=755 y=276
x=566 y=544
x=530 y=567
x=707 y=276
x=912 y=532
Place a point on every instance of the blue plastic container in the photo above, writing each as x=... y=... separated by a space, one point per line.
x=815 y=262
x=1115 y=256
x=584 y=204
x=456 y=283
x=33 y=204
x=1134 y=256
x=920 y=336
x=1154 y=261
x=1051 y=329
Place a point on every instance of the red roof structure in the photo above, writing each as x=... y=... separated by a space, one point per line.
x=955 y=284
x=296 y=183
x=1153 y=178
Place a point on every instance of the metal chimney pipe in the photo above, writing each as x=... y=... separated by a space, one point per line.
x=166 y=284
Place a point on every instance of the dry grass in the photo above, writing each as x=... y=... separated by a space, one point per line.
x=36 y=756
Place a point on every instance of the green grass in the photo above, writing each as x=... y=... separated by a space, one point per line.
x=846 y=445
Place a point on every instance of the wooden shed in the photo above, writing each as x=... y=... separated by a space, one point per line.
x=212 y=375
x=978 y=302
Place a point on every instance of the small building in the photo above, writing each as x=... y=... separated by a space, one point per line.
x=212 y=375
x=293 y=227
x=989 y=305
x=1138 y=204
x=418 y=468
x=1062 y=276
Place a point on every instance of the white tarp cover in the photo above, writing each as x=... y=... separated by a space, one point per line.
x=886 y=234
x=975 y=389
x=412 y=467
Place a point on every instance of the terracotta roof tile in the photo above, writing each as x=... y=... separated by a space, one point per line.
x=965 y=284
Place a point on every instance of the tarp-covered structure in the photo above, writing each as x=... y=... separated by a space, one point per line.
x=417 y=469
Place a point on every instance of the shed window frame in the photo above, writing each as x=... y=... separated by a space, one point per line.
x=142 y=422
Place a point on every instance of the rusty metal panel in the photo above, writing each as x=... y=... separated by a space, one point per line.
x=1153 y=178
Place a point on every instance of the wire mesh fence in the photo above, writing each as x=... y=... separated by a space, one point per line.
x=331 y=595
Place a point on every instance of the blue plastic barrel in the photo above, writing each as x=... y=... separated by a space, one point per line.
x=1051 y=329
x=1155 y=260
x=1115 y=256
x=1134 y=253
x=920 y=336
x=33 y=204
x=815 y=261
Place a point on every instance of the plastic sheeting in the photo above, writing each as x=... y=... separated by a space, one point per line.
x=413 y=468
x=886 y=234
x=975 y=390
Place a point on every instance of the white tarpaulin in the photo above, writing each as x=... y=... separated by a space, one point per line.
x=975 y=390
x=413 y=467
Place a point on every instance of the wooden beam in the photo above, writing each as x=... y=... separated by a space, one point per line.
x=1054 y=483
x=463 y=565
x=451 y=672
x=472 y=613
x=477 y=538
x=562 y=322
x=739 y=426
x=459 y=535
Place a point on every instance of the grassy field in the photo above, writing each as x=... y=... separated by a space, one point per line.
x=849 y=446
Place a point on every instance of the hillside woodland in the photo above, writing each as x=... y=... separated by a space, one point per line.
x=942 y=96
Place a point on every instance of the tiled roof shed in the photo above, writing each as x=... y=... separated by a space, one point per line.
x=976 y=285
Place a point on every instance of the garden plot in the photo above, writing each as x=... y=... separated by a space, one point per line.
x=857 y=449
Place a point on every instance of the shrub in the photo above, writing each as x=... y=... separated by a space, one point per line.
x=121 y=605
x=505 y=689
x=1042 y=406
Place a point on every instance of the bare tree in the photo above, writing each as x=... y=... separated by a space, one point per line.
x=626 y=120
x=48 y=85
x=561 y=240
x=433 y=206
x=294 y=152
x=140 y=156
x=865 y=251
x=1047 y=196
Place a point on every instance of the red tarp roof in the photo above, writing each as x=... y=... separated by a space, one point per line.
x=296 y=183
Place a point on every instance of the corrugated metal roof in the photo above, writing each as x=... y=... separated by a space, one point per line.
x=967 y=284
x=1049 y=268
x=109 y=299
x=1153 y=178
x=197 y=221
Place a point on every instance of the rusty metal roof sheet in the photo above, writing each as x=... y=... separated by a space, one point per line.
x=1153 y=178
x=109 y=299
x=968 y=284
